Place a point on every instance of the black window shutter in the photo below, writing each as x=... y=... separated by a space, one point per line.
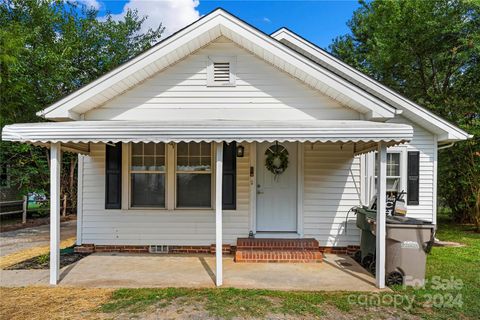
x=229 y=184
x=113 y=176
x=413 y=173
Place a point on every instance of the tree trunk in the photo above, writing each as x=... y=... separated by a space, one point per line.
x=476 y=214
x=73 y=163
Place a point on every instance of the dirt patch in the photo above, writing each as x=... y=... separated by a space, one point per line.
x=32 y=222
x=448 y=244
x=37 y=303
x=43 y=261
x=180 y=308
x=26 y=254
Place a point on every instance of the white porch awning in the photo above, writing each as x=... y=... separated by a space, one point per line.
x=83 y=132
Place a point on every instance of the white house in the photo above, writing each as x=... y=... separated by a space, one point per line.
x=220 y=131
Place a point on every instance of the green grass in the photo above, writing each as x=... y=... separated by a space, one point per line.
x=447 y=263
x=452 y=264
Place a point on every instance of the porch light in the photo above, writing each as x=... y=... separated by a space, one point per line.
x=240 y=151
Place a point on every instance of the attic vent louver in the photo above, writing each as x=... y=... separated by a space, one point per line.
x=221 y=71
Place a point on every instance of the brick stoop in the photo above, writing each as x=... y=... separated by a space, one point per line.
x=277 y=250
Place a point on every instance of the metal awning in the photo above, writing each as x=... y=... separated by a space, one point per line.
x=84 y=132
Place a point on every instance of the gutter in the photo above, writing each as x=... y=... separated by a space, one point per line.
x=446 y=146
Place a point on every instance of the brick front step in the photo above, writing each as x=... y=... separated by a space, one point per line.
x=277 y=250
x=275 y=256
x=277 y=244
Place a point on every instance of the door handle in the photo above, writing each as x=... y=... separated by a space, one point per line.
x=259 y=192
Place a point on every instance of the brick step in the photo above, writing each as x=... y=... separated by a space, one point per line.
x=277 y=244
x=278 y=256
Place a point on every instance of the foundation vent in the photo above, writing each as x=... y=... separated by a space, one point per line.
x=158 y=249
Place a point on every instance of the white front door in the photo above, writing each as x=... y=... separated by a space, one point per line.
x=276 y=195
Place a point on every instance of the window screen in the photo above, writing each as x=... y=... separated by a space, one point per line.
x=147 y=174
x=194 y=175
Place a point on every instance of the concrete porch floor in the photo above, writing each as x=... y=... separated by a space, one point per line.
x=119 y=270
x=336 y=273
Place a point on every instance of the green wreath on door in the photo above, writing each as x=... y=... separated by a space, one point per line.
x=276 y=160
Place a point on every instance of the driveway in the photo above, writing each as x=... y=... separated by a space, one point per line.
x=18 y=240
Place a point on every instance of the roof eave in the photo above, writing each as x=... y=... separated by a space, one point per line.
x=449 y=132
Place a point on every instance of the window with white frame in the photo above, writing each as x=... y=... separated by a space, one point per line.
x=394 y=174
x=148 y=175
x=193 y=175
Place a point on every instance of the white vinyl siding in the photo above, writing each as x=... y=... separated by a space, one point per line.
x=261 y=92
x=424 y=142
x=156 y=227
x=330 y=174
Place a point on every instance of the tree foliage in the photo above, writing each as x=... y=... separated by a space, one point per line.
x=48 y=50
x=428 y=51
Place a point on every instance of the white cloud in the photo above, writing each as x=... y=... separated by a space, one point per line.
x=90 y=3
x=265 y=19
x=173 y=14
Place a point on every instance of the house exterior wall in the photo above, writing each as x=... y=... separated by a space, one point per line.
x=156 y=227
x=261 y=92
x=331 y=179
x=425 y=142
x=332 y=176
x=329 y=191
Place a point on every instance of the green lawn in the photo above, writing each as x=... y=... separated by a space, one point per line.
x=457 y=267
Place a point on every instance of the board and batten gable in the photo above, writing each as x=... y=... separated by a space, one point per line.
x=261 y=92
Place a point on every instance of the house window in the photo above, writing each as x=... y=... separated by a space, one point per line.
x=394 y=184
x=147 y=174
x=221 y=71
x=194 y=175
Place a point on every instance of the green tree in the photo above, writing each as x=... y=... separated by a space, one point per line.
x=428 y=51
x=49 y=49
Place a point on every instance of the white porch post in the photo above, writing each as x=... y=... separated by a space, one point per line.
x=381 y=218
x=218 y=215
x=55 y=165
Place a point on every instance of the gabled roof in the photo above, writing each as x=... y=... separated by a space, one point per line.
x=283 y=49
x=195 y=36
x=444 y=129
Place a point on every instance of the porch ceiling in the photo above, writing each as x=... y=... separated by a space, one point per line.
x=363 y=133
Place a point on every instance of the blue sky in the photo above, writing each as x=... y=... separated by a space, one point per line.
x=317 y=21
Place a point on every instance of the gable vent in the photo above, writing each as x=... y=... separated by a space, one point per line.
x=221 y=72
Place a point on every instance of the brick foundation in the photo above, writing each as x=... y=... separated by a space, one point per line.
x=90 y=248
x=247 y=250
x=350 y=250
